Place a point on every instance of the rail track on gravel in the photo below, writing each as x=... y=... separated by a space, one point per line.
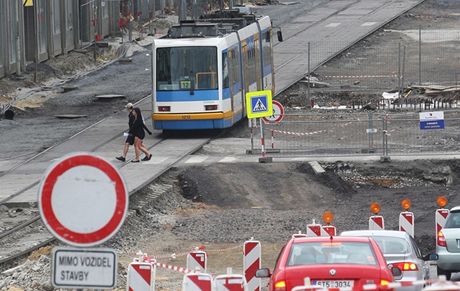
x=23 y=231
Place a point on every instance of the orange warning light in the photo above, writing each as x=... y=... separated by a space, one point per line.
x=328 y=217
x=375 y=207
x=442 y=201
x=406 y=204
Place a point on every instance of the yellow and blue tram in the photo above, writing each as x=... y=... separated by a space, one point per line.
x=203 y=69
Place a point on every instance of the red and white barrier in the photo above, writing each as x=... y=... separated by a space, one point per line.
x=230 y=282
x=406 y=222
x=328 y=230
x=141 y=276
x=252 y=261
x=197 y=282
x=313 y=230
x=197 y=261
x=376 y=222
x=440 y=220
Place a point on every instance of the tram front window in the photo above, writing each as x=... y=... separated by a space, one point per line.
x=186 y=68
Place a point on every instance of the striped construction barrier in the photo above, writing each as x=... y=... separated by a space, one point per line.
x=252 y=261
x=406 y=222
x=197 y=261
x=230 y=282
x=328 y=230
x=197 y=282
x=376 y=222
x=141 y=276
x=313 y=230
x=440 y=221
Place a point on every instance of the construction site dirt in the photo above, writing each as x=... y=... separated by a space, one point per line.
x=220 y=206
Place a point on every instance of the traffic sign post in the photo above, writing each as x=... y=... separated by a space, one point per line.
x=84 y=268
x=83 y=200
x=258 y=105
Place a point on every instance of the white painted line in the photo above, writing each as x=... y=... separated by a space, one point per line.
x=196 y=159
x=155 y=160
x=333 y=24
x=368 y=23
x=228 y=160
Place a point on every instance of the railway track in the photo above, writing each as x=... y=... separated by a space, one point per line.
x=24 y=232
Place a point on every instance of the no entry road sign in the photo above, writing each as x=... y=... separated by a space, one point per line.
x=83 y=200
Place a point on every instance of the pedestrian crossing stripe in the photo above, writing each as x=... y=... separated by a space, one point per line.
x=259 y=104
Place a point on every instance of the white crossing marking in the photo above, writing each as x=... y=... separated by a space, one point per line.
x=333 y=24
x=368 y=23
x=228 y=160
x=155 y=160
x=196 y=159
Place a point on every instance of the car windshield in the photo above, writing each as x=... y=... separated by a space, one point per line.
x=315 y=253
x=453 y=221
x=392 y=245
x=186 y=68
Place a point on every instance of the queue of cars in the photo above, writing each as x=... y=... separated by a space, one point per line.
x=362 y=257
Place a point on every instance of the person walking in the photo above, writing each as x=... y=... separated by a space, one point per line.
x=139 y=129
x=130 y=138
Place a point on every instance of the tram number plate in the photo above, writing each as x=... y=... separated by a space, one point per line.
x=186 y=117
x=334 y=283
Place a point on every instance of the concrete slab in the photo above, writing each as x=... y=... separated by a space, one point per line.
x=317 y=167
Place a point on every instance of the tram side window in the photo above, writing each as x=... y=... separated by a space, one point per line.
x=251 y=65
x=234 y=63
x=225 y=80
x=186 y=68
x=267 y=52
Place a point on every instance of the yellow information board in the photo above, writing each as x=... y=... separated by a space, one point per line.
x=259 y=104
x=28 y=3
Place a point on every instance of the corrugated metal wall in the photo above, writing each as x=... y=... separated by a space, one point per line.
x=56 y=26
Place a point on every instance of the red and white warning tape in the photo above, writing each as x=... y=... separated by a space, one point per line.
x=358 y=76
x=173 y=268
x=297 y=133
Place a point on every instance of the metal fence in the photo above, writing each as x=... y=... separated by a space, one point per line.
x=350 y=133
x=388 y=60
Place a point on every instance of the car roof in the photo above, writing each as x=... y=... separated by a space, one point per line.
x=456 y=208
x=389 y=233
x=329 y=239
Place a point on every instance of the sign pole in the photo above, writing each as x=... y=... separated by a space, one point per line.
x=262 y=138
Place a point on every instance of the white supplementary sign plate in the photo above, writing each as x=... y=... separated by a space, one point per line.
x=84 y=268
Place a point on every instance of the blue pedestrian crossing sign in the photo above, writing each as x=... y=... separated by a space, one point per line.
x=259 y=104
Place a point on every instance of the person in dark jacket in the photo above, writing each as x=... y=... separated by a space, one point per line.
x=130 y=138
x=138 y=130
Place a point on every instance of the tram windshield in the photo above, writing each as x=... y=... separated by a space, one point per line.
x=186 y=68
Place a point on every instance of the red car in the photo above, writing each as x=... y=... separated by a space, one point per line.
x=330 y=262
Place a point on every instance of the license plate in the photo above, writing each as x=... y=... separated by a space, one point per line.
x=334 y=283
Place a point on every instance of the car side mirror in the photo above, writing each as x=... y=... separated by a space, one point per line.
x=263 y=273
x=396 y=271
x=431 y=257
x=280 y=35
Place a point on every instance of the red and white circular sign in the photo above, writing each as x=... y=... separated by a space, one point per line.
x=83 y=200
x=278 y=113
